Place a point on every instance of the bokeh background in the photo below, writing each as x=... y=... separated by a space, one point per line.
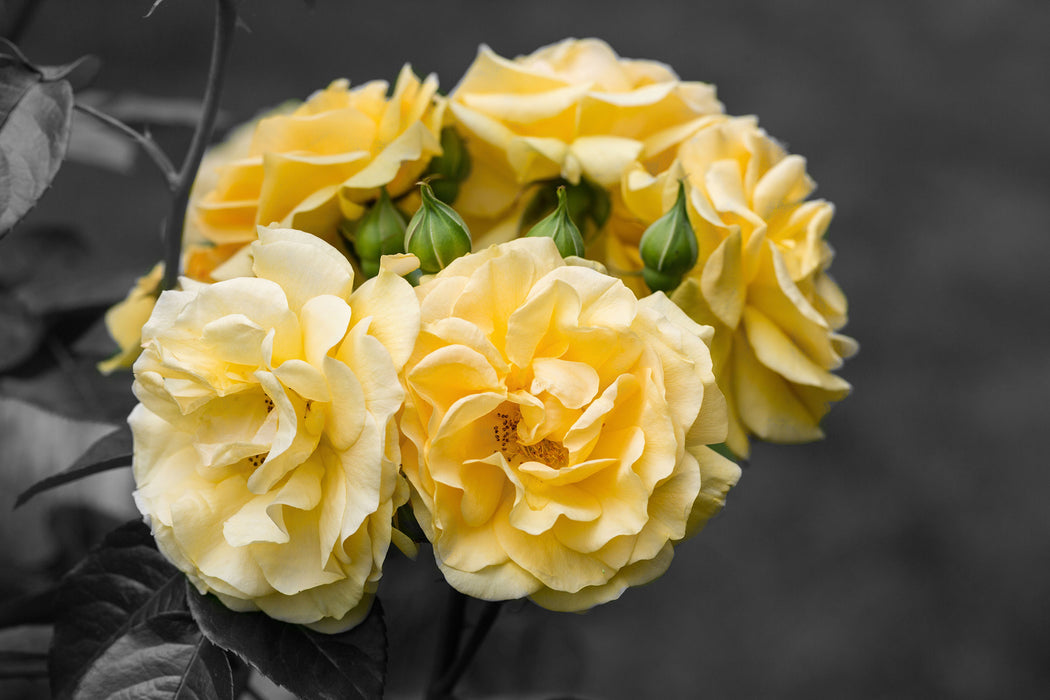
x=905 y=556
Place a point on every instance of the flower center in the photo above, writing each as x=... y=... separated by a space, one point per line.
x=257 y=460
x=547 y=451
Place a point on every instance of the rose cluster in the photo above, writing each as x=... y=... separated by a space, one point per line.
x=614 y=277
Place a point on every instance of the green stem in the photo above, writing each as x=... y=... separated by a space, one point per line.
x=225 y=23
x=158 y=156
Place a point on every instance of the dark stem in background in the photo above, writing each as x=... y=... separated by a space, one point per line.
x=441 y=686
x=225 y=22
x=448 y=639
x=22 y=18
x=158 y=156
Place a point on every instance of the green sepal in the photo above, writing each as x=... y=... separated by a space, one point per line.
x=560 y=226
x=436 y=234
x=668 y=247
x=381 y=231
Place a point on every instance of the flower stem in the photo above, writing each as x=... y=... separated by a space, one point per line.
x=158 y=156
x=443 y=687
x=448 y=640
x=225 y=23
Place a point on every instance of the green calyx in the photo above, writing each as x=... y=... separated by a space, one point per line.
x=450 y=168
x=668 y=247
x=381 y=231
x=559 y=226
x=436 y=234
x=588 y=204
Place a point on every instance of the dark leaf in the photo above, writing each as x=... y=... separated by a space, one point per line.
x=46 y=250
x=54 y=269
x=20 y=331
x=71 y=388
x=9 y=49
x=120 y=586
x=16 y=79
x=76 y=529
x=35 y=120
x=163 y=658
x=110 y=452
x=344 y=666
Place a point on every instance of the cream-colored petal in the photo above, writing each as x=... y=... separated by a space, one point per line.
x=302 y=265
x=304 y=379
x=392 y=305
x=776 y=185
x=324 y=320
x=605 y=158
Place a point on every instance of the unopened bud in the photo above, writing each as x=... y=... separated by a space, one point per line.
x=668 y=247
x=380 y=232
x=451 y=167
x=587 y=202
x=559 y=226
x=436 y=234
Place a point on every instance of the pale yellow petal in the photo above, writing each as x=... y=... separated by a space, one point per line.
x=302 y=265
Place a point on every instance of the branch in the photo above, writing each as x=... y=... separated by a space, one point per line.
x=225 y=23
x=448 y=639
x=443 y=688
x=154 y=151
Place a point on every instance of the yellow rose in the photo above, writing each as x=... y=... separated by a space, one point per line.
x=761 y=278
x=124 y=320
x=200 y=256
x=266 y=448
x=554 y=428
x=319 y=164
x=568 y=110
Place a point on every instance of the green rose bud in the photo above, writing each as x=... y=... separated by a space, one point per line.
x=587 y=203
x=451 y=167
x=668 y=247
x=380 y=232
x=559 y=226
x=436 y=234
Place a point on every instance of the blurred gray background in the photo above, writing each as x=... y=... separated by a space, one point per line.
x=906 y=556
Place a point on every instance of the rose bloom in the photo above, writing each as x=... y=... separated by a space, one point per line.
x=311 y=168
x=574 y=109
x=266 y=449
x=124 y=320
x=555 y=428
x=761 y=280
